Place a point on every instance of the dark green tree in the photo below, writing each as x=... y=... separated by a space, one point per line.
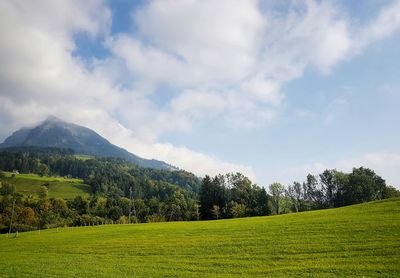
x=363 y=186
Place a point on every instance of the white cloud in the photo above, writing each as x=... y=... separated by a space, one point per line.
x=40 y=76
x=311 y=34
x=182 y=157
x=147 y=64
x=264 y=91
x=38 y=71
x=386 y=23
x=232 y=62
x=225 y=65
x=214 y=43
x=198 y=162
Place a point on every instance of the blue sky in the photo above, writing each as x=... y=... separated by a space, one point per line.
x=274 y=89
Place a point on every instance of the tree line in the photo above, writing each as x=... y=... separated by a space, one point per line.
x=26 y=213
x=125 y=193
x=234 y=195
x=231 y=195
x=330 y=189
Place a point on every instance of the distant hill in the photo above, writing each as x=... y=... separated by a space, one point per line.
x=56 y=133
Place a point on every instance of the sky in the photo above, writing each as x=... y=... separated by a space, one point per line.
x=273 y=89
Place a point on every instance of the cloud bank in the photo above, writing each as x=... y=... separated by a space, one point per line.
x=219 y=65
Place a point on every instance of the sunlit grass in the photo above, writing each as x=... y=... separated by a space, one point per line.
x=83 y=157
x=58 y=187
x=361 y=240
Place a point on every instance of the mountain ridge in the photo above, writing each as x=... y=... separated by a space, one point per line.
x=54 y=132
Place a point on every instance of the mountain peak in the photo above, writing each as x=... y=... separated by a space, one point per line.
x=52 y=118
x=56 y=133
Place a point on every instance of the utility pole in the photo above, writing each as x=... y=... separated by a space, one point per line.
x=12 y=215
x=134 y=211
x=130 y=203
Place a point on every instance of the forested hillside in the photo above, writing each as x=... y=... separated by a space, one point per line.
x=121 y=192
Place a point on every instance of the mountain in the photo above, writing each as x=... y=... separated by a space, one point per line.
x=54 y=132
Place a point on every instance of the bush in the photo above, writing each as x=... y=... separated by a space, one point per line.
x=155 y=218
x=123 y=220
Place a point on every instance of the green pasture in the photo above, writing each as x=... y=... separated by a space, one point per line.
x=58 y=187
x=83 y=157
x=356 y=241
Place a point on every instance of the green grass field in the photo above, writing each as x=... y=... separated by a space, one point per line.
x=58 y=187
x=360 y=240
x=83 y=157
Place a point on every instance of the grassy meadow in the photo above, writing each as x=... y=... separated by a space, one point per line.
x=58 y=187
x=83 y=157
x=360 y=240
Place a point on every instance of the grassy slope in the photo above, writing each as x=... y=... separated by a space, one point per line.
x=83 y=157
x=58 y=187
x=361 y=240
